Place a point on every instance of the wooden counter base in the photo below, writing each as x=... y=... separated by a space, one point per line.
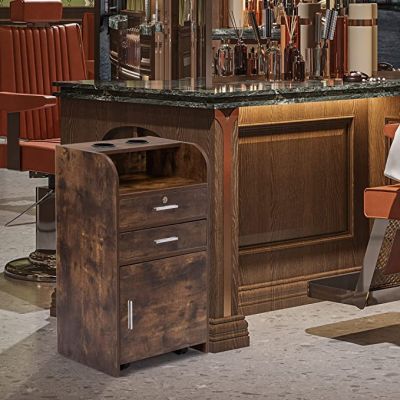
x=287 y=186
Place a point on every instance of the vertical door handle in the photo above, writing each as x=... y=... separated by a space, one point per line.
x=130 y=315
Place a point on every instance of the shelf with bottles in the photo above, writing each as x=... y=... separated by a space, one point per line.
x=309 y=40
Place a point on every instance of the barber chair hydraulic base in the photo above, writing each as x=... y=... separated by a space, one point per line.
x=379 y=280
x=40 y=265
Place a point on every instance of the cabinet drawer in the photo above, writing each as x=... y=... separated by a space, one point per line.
x=163 y=306
x=161 y=242
x=163 y=207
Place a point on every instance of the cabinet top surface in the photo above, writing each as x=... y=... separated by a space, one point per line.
x=191 y=93
x=121 y=146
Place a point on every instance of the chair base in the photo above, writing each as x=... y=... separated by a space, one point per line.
x=40 y=266
x=342 y=289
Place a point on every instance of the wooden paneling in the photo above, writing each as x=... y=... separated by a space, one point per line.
x=303 y=169
x=304 y=181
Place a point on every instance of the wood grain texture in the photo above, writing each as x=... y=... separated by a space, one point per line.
x=306 y=178
x=140 y=211
x=90 y=120
x=141 y=245
x=168 y=284
x=84 y=301
x=304 y=182
x=310 y=174
x=175 y=288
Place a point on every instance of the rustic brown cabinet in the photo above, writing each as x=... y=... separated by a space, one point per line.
x=132 y=220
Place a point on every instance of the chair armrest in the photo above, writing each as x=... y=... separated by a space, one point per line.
x=11 y=102
x=390 y=130
x=90 y=69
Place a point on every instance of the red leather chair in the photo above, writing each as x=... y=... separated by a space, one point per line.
x=31 y=59
x=88 y=34
x=379 y=279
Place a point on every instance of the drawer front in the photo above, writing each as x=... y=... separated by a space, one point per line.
x=166 y=241
x=163 y=207
x=163 y=306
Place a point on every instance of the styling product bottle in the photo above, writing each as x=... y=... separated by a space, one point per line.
x=252 y=63
x=317 y=67
x=306 y=14
x=224 y=60
x=291 y=48
x=338 y=46
x=299 y=68
x=289 y=57
x=240 y=49
x=240 y=58
x=274 y=56
x=262 y=58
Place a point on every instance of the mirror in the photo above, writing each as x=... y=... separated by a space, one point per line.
x=151 y=39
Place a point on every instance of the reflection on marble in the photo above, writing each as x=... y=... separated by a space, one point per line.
x=192 y=93
x=321 y=351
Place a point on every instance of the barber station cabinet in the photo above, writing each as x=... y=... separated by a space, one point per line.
x=132 y=250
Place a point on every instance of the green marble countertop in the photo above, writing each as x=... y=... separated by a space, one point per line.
x=194 y=94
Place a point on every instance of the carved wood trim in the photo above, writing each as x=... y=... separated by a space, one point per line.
x=322 y=125
x=228 y=123
x=228 y=333
x=260 y=297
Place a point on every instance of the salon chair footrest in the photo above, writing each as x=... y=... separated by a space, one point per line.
x=338 y=289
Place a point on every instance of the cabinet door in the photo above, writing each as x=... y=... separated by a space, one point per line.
x=163 y=306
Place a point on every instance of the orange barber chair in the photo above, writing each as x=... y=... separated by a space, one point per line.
x=379 y=279
x=32 y=57
x=88 y=32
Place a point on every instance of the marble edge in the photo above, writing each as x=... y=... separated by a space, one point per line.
x=252 y=99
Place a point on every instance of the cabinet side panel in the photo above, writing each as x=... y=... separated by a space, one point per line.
x=87 y=274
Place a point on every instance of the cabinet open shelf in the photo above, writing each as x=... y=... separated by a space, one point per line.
x=141 y=182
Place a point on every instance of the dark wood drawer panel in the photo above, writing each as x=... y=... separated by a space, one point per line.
x=163 y=306
x=163 y=207
x=165 y=241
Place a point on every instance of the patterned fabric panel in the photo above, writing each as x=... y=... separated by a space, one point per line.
x=30 y=60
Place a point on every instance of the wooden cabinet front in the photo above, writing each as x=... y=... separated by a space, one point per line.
x=163 y=207
x=163 y=306
x=165 y=241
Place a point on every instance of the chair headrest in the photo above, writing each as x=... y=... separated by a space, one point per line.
x=36 y=11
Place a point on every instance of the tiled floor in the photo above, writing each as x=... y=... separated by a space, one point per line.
x=316 y=352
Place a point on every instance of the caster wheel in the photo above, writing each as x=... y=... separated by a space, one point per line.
x=182 y=351
x=124 y=366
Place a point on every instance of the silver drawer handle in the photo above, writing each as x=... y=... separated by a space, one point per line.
x=166 y=208
x=167 y=240
x=130 y=315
